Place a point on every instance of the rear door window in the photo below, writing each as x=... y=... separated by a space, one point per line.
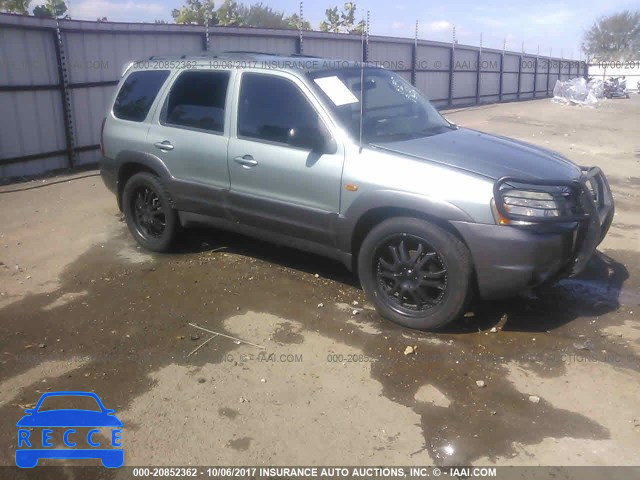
x=197 y=100
x=137 y=94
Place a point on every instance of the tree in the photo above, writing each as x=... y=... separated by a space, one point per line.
x=259 y=15
x=102 y=19
x=614 y=37
x=51 y=9
x=228 y=14
x=344 y=21
x=232 y=13
x=196 y=12
x=15 y=6
x=293 y=22
x=332 y=23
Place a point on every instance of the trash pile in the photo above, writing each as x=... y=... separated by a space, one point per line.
x=616 y=87
x=577 y=91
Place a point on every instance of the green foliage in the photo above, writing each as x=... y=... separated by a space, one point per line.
x=234 y=14
x=259 y=15
x=332 y=23
x=293 y=22
x=196 y=12
x=614 y=37
x=228 y=14
x=344 y=21
x=51 y=9
x=15 y=6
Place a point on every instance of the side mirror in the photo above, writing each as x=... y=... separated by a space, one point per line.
x=314 y=139
x=29 y=411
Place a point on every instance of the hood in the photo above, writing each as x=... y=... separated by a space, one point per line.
x=488 y=155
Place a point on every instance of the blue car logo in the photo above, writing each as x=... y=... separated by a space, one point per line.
x=34 y=445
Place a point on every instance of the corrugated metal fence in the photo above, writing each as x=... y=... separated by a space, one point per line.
x=57 y=79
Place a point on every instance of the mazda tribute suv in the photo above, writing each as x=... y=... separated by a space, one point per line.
x=351 y=162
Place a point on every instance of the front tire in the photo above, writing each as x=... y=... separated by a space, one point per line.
x=147 y=208
x=415 y=273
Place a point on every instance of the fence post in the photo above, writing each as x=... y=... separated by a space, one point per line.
x=300 y=44
x=535 y=77
x=535 y=74
x=560 y=69
x=64 y=93
x=549 y=70
x=414 y=60
x=478 y=76
x=205 y=39
x=414 y=57
x=452 y=55
x=520 y=72
x=504 y=46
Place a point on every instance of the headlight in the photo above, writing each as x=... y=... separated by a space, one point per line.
x=532 y=204
x=527 y=203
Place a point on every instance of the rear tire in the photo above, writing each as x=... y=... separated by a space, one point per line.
x=151 y=219
x=416 y=273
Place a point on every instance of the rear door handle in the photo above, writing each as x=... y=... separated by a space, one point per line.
x=247 y=161
x=165 y=146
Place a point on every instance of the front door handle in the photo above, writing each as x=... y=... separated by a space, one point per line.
x=165 y=146
x=247 y=161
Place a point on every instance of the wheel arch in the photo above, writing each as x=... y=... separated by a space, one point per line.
x=131 y=163
x=375 y=216
x=370 y=210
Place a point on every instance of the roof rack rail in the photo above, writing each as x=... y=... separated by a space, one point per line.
x=249 y=52
x=302 y=55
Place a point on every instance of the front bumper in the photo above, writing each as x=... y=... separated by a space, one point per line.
x=508 y=259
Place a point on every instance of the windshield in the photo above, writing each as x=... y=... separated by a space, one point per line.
x=64 y=402
x=393 y=109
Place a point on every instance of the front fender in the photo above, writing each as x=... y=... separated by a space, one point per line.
x=392 y=199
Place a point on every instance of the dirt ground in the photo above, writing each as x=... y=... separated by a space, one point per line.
x=83 y=308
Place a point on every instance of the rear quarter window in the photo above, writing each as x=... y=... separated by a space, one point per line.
x=137 y=94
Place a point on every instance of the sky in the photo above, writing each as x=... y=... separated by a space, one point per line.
x=543 y=24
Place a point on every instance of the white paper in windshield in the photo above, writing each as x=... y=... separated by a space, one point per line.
x=336 y=90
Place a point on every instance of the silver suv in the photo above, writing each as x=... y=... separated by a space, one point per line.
x=353 y=163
